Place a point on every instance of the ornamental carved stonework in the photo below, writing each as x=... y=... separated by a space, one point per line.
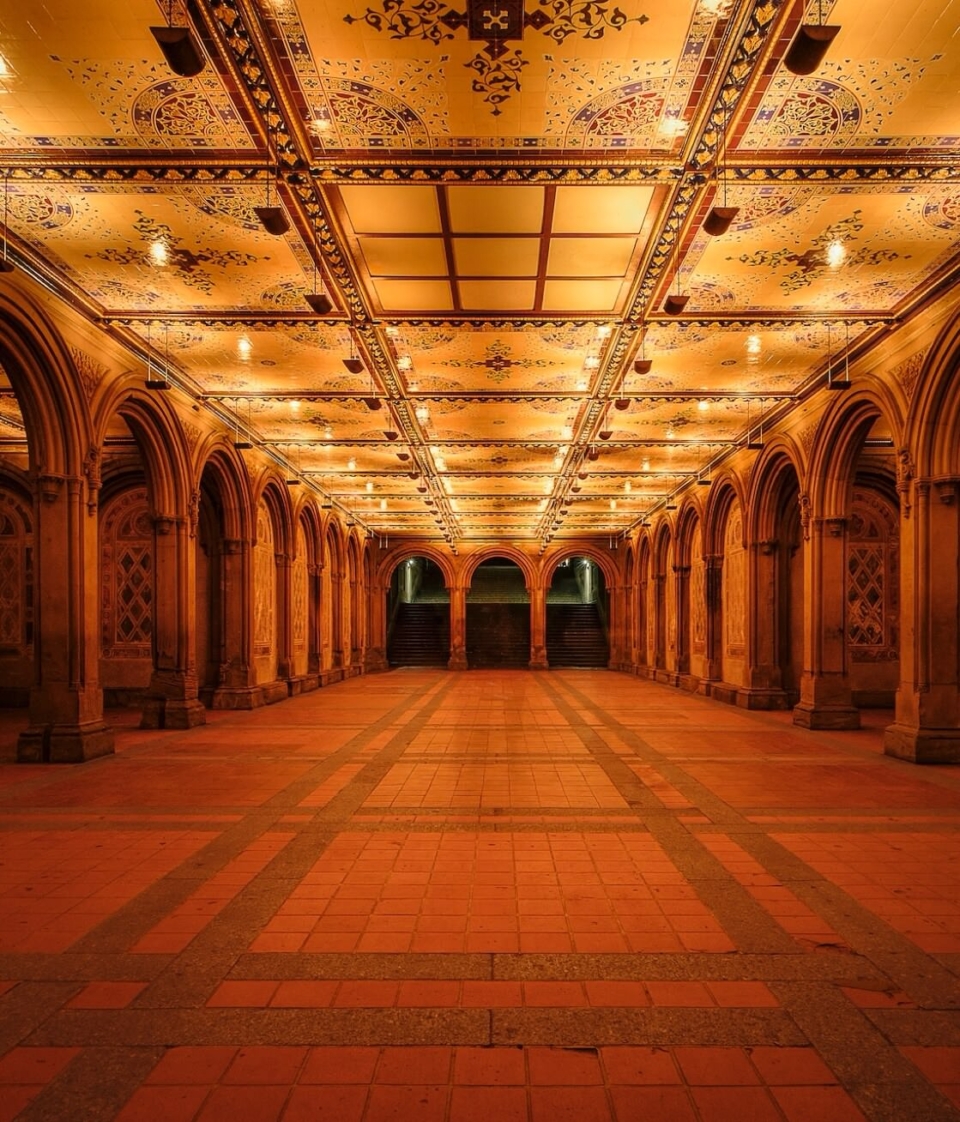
x=191 y=434
x=907 y=373
x=806 y=436
x=91 y=372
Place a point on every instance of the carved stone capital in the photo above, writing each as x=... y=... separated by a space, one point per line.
x=49 y=487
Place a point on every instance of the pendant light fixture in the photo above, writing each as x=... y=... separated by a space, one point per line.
x=755 y=439
x=676 y=302
x=810 y=44
x=240 y=445
x=179 y=47
x=643 y=364
x=719 y=218
x=156 y=379
x=833 y=382
x=273 y=217
x=6 y=265
x=320 y=302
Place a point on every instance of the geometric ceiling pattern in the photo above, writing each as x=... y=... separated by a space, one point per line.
x=498 y=199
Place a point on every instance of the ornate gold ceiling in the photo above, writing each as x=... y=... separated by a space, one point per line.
x=497 y=198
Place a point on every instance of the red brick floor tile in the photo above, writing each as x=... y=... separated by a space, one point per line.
x=428 y=994
x=826 y=1104
x=632 y=994
x=564 y=1066
x=34 y=1065
x=656 y=1104
x=15 y=1098
x=196 y=1065
x=748 y=995
x=492 y=995
x=170 y=1103
x=745 y=1104
x=680 y=994
x=791 y=1066
x=253 y=995
x=331 y=1064
x=939 y=1064
x=416 y=1065
x=639 y=1065
x=569 y=1104
x=264 y=1064
x=326 y=1104
x=369 y=995
x=304 y=995
x=488 y=1104
x=715 y=1067
x=489 y=1066
x=106 y=995
x=252 y=1104
x=553 y=994
x=409 y=1103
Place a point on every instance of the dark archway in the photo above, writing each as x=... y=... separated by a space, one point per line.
x=498 y=616
x=577 y=615
x=418 y=615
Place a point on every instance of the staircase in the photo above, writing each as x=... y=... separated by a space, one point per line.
x=420 y=636
x=498 y=635
x=575 y=636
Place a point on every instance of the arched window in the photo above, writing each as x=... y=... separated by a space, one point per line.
x=16 y=577
x=126 y=576
x=872 y=565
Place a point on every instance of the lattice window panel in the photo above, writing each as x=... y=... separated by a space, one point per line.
x=126 y=576
x=698 y=597
x=16 y=578
x=11 y=594
x=865 y=595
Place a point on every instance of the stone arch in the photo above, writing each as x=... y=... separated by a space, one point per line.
x=602 y=559
x=931 y=442
x=510 y=552
x=838 y=443
x=332 y=600
x=663 y=583
x=690 y=601
x=644 y=612
x=400 y=553
x=17 y=598
x=779 y=458
x=725 y=492
x=47 y=386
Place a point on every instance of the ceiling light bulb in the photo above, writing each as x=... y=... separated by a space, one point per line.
x=613 y=504
x=591 y=362
x=351 y=464
x=604 y=330
x=547 y=487
x=627 y=487
x=703 y=406
x=369 y=485
x=294 y=406
x=669 y=434
x=422 y=414
x=582 y=386
x=244 y=347
x=159 y=254
x=753 y=344
x=836 y=254
x=566 y=433
x=404 y=362
x=383 y=504
x=645 y=465
x=328 y=433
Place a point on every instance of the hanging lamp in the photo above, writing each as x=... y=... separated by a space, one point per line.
x=810 y=44
x=179 y=47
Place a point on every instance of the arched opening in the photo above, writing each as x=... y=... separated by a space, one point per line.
x=418 y=614
x=788 y=597
x=211 y=593
x=17 y=600
x=498 y=615
x=577 y=615
x=872 y=573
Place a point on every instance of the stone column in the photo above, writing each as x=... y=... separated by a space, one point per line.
x=66 y=701
x=927 y=725
x=764 y=689
x=238 y=687
x=284 y=563
x=538 y=628
x=682 y=609
x=825 y=696
x=458 y=628
x=375 y=657
x=659 y=653
x=314 y=638
x=171 y=700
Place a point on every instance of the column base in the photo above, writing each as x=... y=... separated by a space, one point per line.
x=64 y=744
x=375 y=660
x=328 y=677
x=753 y=698
x=234 y=697
x=922 y=745
x=275 y=691
x=457 y=660
x=166 y=713
x=810 y=716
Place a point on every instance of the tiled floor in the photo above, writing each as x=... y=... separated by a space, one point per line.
x=482 y=897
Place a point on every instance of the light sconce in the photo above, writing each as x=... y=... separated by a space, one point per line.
x=719 y=218
x=273 y=217
x=676 y=301
x=320 y=302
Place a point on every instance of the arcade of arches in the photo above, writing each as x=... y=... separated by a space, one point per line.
x=145 y=560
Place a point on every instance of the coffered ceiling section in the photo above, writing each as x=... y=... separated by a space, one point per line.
x=498 y=250
x=497 y=197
